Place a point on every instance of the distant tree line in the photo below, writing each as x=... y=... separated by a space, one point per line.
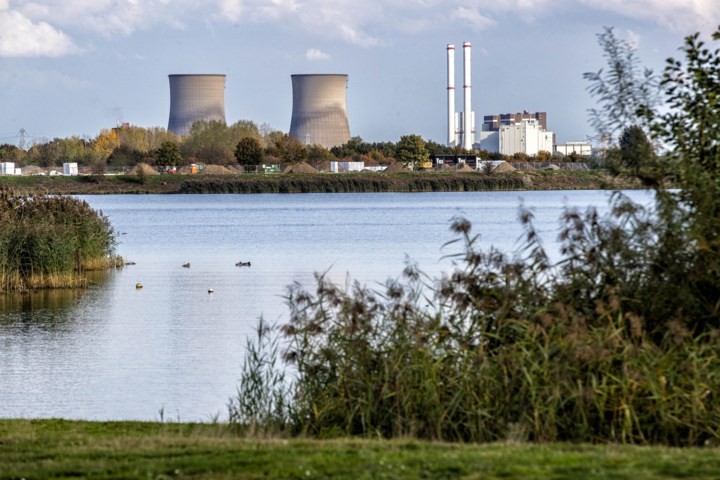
x=243 y=143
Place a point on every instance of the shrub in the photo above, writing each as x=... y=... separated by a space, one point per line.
x=47 y=241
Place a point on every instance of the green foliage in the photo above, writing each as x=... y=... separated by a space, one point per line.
x=215 y=142
x=624 y=90
x=290 y=150
x=11 y=153
x=46 y=240
x=168 y=155
x=249 y=151
x=411 y=151
x=636 y=155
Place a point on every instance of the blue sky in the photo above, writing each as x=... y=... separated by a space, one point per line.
x=73 y=67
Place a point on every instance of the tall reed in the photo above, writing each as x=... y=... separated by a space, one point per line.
x=47 y=241
x=504 y=347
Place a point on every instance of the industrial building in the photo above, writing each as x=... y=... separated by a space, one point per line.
x=194 y=98
x=319 y=113
x=492 y=123
x=584 y=149
x=461 y=126
x=511 y=133
x=525 y=137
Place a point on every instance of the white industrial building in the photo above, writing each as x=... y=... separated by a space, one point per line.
x=526 y=137
x=583 y=149
x=337 y=167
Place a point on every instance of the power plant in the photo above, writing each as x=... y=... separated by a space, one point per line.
x=194 y=98
x=319 y=113
x=461 y=127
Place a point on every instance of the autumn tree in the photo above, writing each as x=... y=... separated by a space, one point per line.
x=290 y=150
x=104 y=144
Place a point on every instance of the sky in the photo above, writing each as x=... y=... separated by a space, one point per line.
x=74 y=67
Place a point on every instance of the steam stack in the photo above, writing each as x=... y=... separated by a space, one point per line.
x=452 y=129
x=461 y=126
x=319 y=114
x=468 y=116
x=194 y=98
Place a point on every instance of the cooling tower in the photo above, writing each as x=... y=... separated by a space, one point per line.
x=193 y=98
x=319 y=114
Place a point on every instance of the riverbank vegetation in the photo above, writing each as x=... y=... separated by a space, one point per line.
x=616 y=341
x=128 y=450
x=323 y=182
x=48 y=241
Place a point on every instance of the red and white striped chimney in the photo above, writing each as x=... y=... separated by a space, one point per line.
x=451 y=95
x=467 y=126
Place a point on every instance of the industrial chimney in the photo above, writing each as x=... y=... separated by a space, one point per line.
x=468 y=126
x=319 y=114
x=194 y=98
x=452 y=128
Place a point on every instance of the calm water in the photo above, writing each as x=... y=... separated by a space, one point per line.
x=114 y=352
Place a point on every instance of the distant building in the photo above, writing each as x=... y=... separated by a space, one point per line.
x=525 y=137
x=70 y=168
x=583 y=149
x=337 y=167
x=492 y=123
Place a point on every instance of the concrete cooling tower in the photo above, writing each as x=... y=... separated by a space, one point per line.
x=319 y=114
x=193 y=98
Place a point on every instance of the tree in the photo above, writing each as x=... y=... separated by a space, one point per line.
x=11 y=153
x=544 y=156
x=249 y=151
x=636 y=154
x=290 y=150
x=168 y=155
x=625 y=90
x=105 y=143
x=411 y=151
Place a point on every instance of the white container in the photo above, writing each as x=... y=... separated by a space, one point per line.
x=7 y=168
x=70 y=168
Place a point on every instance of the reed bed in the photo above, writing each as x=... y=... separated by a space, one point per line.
x=352 y=183
x=48 y=241
x=592 y=348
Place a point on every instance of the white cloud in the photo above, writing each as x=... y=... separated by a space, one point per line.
x=364 y=23
x=682 y=16
x=315 y=55
x=20 y=37
x=475 y=19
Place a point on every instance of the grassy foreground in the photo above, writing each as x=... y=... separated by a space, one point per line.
x=63 y=449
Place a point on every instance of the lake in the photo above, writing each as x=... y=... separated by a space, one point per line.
x=114 y=352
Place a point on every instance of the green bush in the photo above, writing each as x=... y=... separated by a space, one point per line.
x=47 y=241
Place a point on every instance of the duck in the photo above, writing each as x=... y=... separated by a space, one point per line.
x=186 y=265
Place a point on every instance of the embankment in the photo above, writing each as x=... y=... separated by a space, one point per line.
x=320 y=183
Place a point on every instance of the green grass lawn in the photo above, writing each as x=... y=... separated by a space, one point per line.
x=63 y=449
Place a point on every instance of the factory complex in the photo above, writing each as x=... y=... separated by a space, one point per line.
x=319 y=113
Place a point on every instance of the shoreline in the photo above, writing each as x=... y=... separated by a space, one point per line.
x=320 y=183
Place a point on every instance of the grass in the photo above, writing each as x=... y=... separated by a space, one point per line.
x=64 y=449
